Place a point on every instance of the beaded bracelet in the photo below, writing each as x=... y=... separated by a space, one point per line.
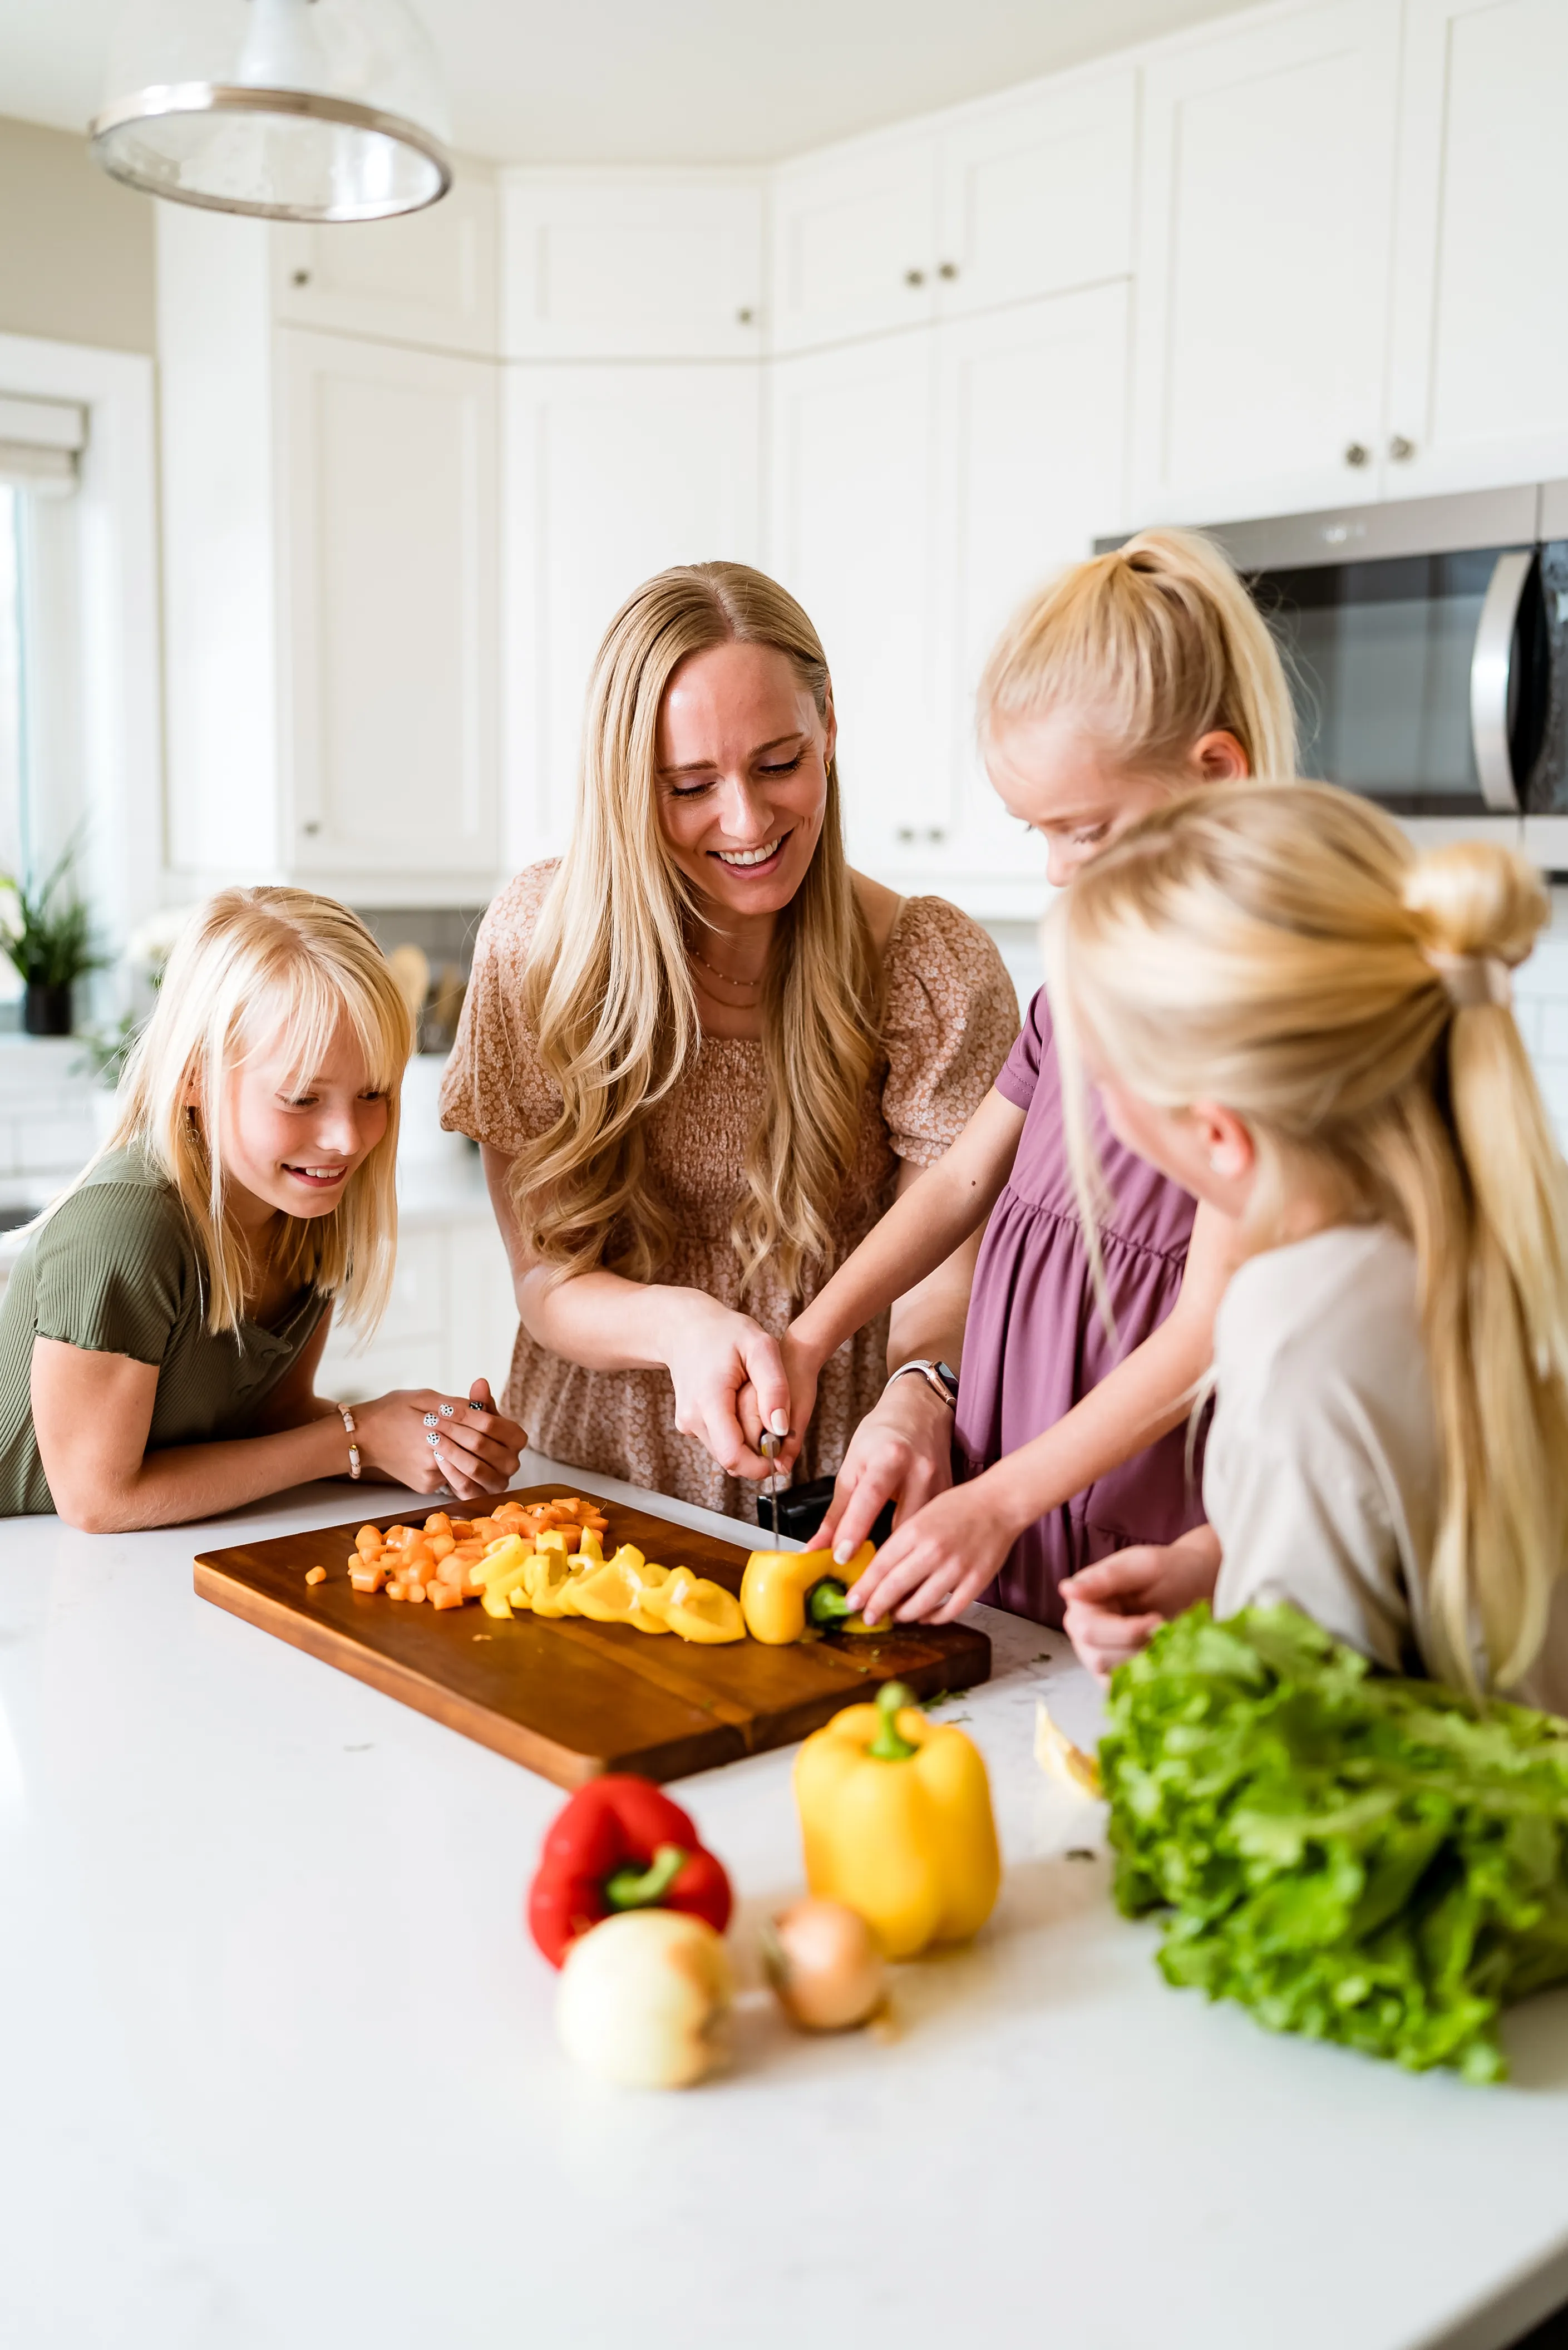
x=353 y=1448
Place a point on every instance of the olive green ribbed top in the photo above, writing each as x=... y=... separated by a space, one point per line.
x=115 y=1271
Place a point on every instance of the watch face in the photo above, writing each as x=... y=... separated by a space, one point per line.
x=949 y=1378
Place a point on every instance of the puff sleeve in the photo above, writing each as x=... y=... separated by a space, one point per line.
x=495 y=1089
x=950 y=1019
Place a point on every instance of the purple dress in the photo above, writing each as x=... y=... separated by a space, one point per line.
x=1036 y=1343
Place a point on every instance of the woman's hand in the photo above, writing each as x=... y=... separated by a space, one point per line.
x=938 y=1561
x=715 y=1357
x=901 y=1452
x=1115 y=1608
x=476 y=1449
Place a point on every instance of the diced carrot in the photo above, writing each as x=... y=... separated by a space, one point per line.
x=509 y=1509
x=469 y=1550
x=438 y=1522
x=316 y=1575
x=441 y=1547
x=396 y=1535
x=486 y=1530
x=395 y=1589
x=445 y=1595
x=452 y=1572
x=368 y=1578
x=418 y=1562
x=368 y=1540
x=416 y=1591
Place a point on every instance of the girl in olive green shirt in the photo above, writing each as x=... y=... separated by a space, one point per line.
x=160 y=1333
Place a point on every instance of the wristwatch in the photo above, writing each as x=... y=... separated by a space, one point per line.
x=940 y=1377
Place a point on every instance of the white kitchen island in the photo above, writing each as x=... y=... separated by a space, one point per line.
x=280 y=2072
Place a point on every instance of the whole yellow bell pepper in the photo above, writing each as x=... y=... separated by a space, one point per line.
x=895 y=1815
x=783 y=1591
x=699 y=1610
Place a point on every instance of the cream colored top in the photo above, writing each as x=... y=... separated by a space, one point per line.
x=1322 y=1476
x=949 y=1020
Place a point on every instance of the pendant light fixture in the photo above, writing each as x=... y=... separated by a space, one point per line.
x=296 y=109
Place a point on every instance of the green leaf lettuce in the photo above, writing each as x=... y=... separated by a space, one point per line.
x=1358 y=1858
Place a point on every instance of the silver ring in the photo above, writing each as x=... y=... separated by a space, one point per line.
x=430 y=1419
x=447 y=1412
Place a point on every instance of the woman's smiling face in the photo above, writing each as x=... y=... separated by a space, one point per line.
x=741 y=776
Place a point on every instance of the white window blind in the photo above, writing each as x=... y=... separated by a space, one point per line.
x=40 y=441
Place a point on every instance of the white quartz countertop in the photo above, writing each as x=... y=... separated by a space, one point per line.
x=280 y=2071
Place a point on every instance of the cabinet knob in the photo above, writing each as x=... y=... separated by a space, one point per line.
x=1401 y=450
x=934 y=832
x=1358 y=454
x=914 y=276
x=906 y=832
x=300 y=278
x=310 y=829
x=744 y=318
x=949 y=269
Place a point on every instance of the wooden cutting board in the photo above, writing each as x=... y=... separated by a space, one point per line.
x=569 y=1699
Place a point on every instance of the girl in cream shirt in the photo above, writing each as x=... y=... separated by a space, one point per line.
x=1292 y=1015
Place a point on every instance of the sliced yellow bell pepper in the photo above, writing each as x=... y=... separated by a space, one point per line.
x=783 y=1591
x=616 y=1593
x=551 y=1585
x=699 y=1610
x=895 y=1819
x=552 y=1538
x=503 y=1572
x=495 y=1603
x=589 y=1551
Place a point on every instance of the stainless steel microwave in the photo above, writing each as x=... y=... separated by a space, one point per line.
x=1427 y=646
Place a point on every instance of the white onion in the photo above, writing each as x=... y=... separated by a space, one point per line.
x=644 y=1998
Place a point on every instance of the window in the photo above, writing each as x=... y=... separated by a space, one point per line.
x=12 y=712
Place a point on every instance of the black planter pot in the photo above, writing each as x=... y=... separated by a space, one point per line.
x=47 y=1010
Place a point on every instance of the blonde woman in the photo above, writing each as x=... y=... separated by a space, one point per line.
x=162 y=1329
x=1309 y=1026
x=701 y=1055
x=1129 y=680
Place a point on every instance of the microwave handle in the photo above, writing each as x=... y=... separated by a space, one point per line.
x=1491 y=667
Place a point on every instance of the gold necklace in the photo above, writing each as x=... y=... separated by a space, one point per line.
x=724 y=975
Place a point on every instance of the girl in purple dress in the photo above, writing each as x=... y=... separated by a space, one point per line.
x=1133 y=677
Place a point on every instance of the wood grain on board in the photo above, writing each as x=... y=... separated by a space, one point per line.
x=569 y=1699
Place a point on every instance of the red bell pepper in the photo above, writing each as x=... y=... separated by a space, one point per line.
x=621 y=1844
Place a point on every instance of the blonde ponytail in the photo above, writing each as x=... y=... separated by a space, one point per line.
x=1286 y=954
x=1158 y=644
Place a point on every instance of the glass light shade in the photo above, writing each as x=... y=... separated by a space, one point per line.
x=296 y=110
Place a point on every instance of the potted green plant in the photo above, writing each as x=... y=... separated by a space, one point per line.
x=47 y=938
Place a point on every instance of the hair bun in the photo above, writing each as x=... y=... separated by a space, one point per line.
x=1476 y=897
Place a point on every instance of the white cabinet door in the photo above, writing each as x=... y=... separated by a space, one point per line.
x=631 y=266
x=1264 y=244
x=427 y=279
x=1032 y=410
x=386 y=474
x=612 y=474
x=855 y=243
x=1036 y=193
x=1481 y=329
x=853 y=497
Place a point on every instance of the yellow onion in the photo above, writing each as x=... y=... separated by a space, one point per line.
x=644 y=2000
x=822 y=1962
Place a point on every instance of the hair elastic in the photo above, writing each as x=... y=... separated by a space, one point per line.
x=1473 y=980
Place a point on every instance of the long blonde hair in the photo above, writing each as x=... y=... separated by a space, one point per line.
x=608 y=987
x=1156 y=645
x=1286 y=952
x=257 y=971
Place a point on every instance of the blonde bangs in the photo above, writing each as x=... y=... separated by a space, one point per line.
x=256 y=969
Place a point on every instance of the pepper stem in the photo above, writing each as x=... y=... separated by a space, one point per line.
x=890 y=1745
x=644 y=1888
x=828 y=1602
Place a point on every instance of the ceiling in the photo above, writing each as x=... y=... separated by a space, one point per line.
x=664 y=81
